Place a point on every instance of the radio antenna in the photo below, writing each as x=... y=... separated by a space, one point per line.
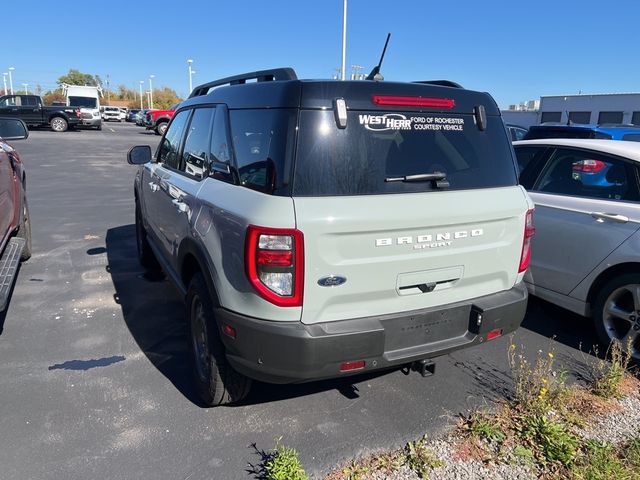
x=375 y=73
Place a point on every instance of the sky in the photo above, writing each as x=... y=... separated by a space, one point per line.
x=516 y=51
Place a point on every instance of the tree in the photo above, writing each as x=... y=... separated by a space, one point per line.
x=53 y=96
x=76 y=77
x=165 y=98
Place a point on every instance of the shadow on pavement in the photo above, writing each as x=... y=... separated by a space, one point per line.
x=154 y=314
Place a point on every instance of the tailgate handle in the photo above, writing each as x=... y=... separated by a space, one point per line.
x=427 y=287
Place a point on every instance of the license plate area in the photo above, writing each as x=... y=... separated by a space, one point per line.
x=426 y=327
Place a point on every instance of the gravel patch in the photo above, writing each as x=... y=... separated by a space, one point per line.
x=616 y=427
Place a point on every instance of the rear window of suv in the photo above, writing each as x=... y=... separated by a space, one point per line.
x=375 y=146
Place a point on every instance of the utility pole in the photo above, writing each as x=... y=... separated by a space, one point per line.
x=108 y=91
x=355 y=72
x=4 y=80
x=151 y=77
x=26 y=88
x=141 y=105
x=191 y=72
x=11 y=69
x=344 y=40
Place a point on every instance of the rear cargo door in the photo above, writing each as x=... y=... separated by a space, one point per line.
x=374 y=245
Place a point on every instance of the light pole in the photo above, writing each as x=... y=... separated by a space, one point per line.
x=148 y=94
x=141 y=105
x=26 y=88
x=11 y=69
x=191 y=72
x=344 y=40
x=4 y=80
x=151 y=77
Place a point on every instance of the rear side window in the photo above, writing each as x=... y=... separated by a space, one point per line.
x=588 y=174
x=555 y=132
x=263 y=143
x=359 y=159
x=631 y=137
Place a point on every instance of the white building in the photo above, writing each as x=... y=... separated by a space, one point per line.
x=595 y=109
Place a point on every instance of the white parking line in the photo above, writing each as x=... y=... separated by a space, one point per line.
x=112 y=130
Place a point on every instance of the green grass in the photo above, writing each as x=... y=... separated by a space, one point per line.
x=284 y=464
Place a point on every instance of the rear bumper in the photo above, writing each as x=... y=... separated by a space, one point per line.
x=293 y=352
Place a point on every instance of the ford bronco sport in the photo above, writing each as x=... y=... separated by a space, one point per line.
x=319 y=229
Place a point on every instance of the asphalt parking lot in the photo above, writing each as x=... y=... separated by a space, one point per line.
x=94 y=379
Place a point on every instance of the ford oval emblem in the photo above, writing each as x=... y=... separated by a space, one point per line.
x=331 y=281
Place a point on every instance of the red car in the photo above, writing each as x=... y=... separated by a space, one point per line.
x=15 y=229
x=158 y=120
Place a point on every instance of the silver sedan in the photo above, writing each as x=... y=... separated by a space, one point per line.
x=586 y=251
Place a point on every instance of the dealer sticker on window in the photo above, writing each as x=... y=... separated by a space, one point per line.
x=398 y=121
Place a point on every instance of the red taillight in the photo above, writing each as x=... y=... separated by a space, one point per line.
x=229 y=330
x=349 y=366
x=274 y=258
x=529 y=231
x=589 y=166
x=494 y=334
x=388 y=100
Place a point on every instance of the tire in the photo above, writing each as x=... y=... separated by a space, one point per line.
x=24 y=230
x=216 y=381
x=59 y=124
x=616 y=312
x=146 y=257
x=161 y=128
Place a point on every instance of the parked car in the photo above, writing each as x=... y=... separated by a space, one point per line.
x=141 y=117
x=87 y=98
x=585 y=252
x=604 y=132
x=112 y=114
x=158 y=120
x=516 y=132
x=132 y=114
x=15 y=226
x=31 y=110
x=319 y=229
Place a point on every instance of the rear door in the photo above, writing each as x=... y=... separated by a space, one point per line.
x=586 y=206
x=375 y=245
x=30 y=110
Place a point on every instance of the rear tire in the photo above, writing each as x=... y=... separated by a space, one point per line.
x=59 y=124
x=24 y=230
x=216 y=381
x=616 y=312
x=146 y=257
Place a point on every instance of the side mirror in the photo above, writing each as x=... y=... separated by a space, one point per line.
x=13 y=129
x=139 y=155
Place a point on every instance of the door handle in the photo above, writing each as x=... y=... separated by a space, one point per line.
x=614 y=217
x=153 y=186
x=180 y=205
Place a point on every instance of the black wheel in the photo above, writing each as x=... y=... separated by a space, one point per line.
x=146 y=257
x=216 y=381
x=24 y=230
x=161 y=128
x=59 y=124
x=616 y=312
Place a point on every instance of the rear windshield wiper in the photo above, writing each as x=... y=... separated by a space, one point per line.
x=438 y=178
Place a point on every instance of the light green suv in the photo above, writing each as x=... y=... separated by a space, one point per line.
x=319 y=229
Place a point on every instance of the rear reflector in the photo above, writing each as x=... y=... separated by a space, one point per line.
x=529 y=231
x=387 y=100
x=229 y=330
x=348 y=366
x=494 y=334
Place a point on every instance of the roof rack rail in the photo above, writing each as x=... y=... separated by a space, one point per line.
x=274 y=74
x=442 y=83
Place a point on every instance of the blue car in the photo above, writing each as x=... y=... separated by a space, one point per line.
x=131 y=116
x=593 y=172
